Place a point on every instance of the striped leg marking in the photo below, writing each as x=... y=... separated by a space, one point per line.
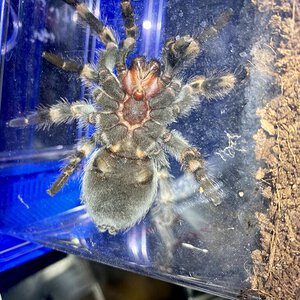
x=62 y=112
x=104 y=32
x=213 y=30
x=83 y=151
x=210 y=88
x=128 y=17
x=128 y=44
x=192 y=162
x=84 y=71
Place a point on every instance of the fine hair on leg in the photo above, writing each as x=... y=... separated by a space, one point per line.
x=191 y=161
x=83 y=150
x=180 y=52
x=200 y=86
x=85 y=72
x=59 y=113
x=214 y=29
x=105 y=34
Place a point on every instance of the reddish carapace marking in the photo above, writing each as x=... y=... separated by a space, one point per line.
x=140 y=83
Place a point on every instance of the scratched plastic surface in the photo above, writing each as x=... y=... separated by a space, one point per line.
x=202 y=246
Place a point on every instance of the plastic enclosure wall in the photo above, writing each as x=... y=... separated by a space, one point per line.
x=205 y=247
x=26 y=171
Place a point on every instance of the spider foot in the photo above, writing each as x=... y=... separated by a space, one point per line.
x=209 y=186
x=110 y=229
x=178 y=50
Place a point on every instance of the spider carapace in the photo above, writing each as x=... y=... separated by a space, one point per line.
x=131 y=110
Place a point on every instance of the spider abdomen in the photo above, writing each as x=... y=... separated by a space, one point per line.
x=118 y=191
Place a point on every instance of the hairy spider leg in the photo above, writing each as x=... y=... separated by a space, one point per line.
x=128 y=16
x=165 y=191
x=167 y=96
x=107 y=37
x=106 y=79
x=61 y=112
x=190 y=159
x=85 y=72
x=105 y=34
x=212 y=87
x=101 y=75
x=214 y=29
x=172 y=101
x=83 y=150
x=106 y=102
x=128 y=44
x=163 y=213
x=180 y=52
x=177 y=53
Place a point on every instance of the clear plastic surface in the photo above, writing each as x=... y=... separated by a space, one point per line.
x=191 y=242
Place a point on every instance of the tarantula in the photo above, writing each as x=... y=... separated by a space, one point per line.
x=131 y=112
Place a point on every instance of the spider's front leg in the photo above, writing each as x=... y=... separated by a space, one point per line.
x=128 y=44
x=179 y=52
x=191 y=160
x=104 y=32
x=128 y=16
x=61 y=112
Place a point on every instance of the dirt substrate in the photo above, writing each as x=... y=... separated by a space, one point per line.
x=276 y=265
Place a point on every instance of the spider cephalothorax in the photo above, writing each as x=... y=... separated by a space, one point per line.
x=140 y=83
x=131 y=112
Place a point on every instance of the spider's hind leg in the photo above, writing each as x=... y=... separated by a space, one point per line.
x=83 y=150
x=166 y=195
x=163 y=213
x=190 y=159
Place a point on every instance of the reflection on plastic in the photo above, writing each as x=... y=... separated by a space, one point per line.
x=194 y=242
x=12 y=41
x=190 y=241
x=152 y=28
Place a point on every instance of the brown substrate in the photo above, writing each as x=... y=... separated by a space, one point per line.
x=276 y=265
